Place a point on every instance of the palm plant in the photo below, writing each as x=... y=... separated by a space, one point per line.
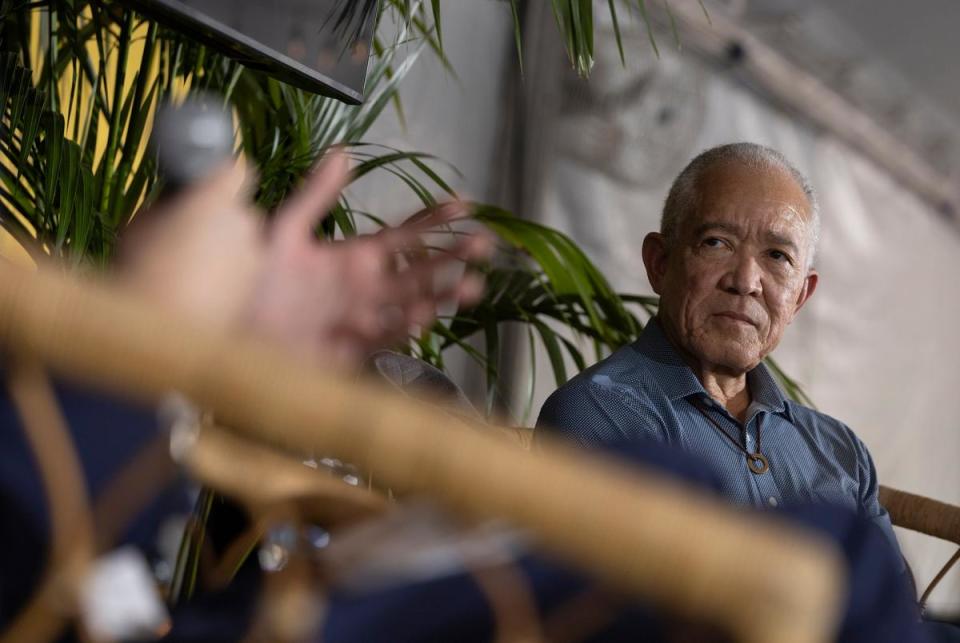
x=75 y=168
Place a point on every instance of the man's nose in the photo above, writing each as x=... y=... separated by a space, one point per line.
x=742 y=276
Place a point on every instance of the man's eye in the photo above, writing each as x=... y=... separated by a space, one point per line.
x=712 y=242
x=779 y=255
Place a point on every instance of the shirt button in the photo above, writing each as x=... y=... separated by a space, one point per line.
x=772 y=501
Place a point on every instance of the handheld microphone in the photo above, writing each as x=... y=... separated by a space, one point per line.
x=191 y=140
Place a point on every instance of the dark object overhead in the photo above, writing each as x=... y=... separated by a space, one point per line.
x=322 y=46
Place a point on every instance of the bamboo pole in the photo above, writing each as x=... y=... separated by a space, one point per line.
x=661 y=542
x=71 y=530
x=919 y=513
x=261 y=478
x=927 y=516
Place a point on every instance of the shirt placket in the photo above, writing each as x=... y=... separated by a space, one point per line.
x=764 y=483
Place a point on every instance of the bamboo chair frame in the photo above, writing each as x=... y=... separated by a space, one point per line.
x=591 y=511
x=927 y=516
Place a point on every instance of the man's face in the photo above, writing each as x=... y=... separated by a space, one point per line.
x=736 y=274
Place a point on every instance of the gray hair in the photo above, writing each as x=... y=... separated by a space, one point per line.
x=684 y=192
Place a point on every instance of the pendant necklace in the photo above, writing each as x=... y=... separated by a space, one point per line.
x=756 y=461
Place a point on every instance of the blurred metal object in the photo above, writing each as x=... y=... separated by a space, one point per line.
x=191 y=139
x=181 y=419
x=120 y=601
x=322 y=46
x=415 y=542
x=277 y=546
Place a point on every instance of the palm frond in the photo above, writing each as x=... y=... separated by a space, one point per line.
x=80 y=149
x=283 y=130
x=576 y=21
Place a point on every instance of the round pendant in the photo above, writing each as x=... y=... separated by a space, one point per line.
x=757 y=463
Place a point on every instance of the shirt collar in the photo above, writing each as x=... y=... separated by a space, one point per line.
x=673 y=375
x=764 y=390
x=677 y=379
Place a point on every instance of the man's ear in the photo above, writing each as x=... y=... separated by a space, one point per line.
x=655 y=259
x=809 y=285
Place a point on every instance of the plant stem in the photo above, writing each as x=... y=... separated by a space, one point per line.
x=116 y=111
x=133 y=134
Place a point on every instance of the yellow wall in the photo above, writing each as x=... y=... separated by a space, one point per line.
x=9 y=247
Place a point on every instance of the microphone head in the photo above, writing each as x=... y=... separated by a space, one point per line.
x=191 y=139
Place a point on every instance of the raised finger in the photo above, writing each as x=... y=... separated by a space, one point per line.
x=421 y=269
x=396 y=321
x=429 y=218
x=421 y=312
x=311 y=203
x=414 y=297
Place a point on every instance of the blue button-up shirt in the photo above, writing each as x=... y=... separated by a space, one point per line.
x=646 y=391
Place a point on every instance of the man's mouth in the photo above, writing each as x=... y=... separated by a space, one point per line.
x=737 y=317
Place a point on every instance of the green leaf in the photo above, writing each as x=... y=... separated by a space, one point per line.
x=69 y=183
x=8 y=62
x=706 y=14
x=673 y=23
x=574 y=353
x=31 y=126
x=517 y=36
x=85 y=216
x=21 y=94
x=435 y=4
x=529 y=236
x=554 y=352
x=341 y=216
x=143 y=179
x=532 y=380
x=390 y=162
x=790 y=386
x=54 y=146
x=133 y=139
x=491 y=336
x=616 y=30
x=642 y=5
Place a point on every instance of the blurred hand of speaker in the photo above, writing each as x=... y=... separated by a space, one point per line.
x=203 y=253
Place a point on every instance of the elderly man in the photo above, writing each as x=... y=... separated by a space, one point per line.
x=733 y=266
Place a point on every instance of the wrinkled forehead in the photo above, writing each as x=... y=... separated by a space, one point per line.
x=752 y=195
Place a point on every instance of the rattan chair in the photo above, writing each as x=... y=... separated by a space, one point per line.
x=927 y=516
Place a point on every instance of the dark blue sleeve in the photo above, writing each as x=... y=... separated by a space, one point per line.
x=879 y=606
x=869 y=496
x=22 y=554
x=107 y=434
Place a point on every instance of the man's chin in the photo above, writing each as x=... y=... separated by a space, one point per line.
x=729 y=355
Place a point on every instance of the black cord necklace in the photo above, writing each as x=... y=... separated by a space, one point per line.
x=756 y=461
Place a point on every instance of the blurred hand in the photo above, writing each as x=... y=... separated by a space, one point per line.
x=197 y=252
x=344 y=299
x=204 y=254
